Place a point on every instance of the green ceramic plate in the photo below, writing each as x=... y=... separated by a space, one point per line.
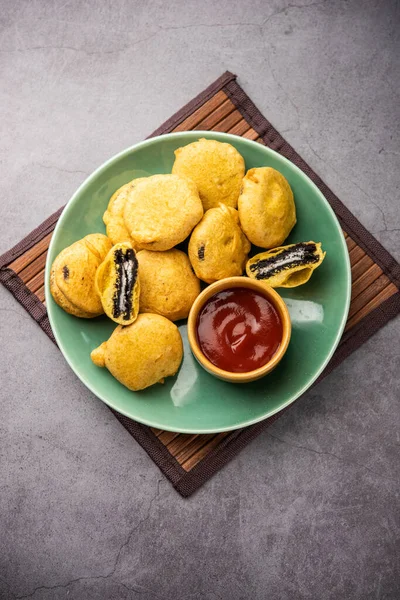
x=194 y=401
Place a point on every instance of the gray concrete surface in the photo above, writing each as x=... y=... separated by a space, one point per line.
x=310 y=509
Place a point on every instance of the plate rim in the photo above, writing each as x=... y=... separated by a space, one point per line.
x=116 y=157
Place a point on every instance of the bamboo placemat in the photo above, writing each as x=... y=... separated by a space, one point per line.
x=190 y=460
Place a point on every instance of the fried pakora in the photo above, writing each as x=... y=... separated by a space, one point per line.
x=117 y=284
x=266 y=207
x=217 y=169
x=143 y=353
x=161 y=211
x=287 y=266
x=218 y=248
x=72 y=276
x=168 y=285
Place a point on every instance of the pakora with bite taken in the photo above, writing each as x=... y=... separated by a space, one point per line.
x=287 y=266
x=117 y=284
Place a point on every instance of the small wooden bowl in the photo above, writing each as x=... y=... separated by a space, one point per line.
x=267 y=292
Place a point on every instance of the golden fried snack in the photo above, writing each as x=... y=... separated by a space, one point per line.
x=168 y=285
x=62 y=301
x=142 y=353
x=216 y=168
x=113 y=217
x=218 y=247
x=266 y=207
x=161 y=211
x=287 y=266
x=117 y=284
x=73 y=273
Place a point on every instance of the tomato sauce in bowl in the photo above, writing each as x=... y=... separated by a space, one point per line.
x=239 y=330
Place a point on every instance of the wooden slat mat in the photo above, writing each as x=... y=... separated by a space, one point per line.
x=190 y=460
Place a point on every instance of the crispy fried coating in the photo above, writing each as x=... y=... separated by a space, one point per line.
x=218 y=247
x=143 y=353
x=266 y=207
x=287 y=266
x=168 y=285
x=217 y=168
x=117 y=284
x=113 y=216
x=73 y=273
x=161 y=211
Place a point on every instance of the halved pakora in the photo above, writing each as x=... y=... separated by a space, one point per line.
x=143 y=353
x=168 y=285
x=218 y=248
x=73 y=273
x=266 y=207
x=114 y=216
x=287 y=266
x=217 y=169
x=117 y=284
x=161 y=211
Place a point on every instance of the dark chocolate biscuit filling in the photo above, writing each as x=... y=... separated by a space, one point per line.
x=127 y=267
x=200 y=252
x=65 y=272
x=300 y=254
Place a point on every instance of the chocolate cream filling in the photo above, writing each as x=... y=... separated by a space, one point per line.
x=298 y=255
x=126 y=265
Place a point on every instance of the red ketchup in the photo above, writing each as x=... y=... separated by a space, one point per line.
x=239 y=330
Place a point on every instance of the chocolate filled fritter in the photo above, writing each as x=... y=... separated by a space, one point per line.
x=117 y=284
x=218 y=247
x=72 y=276
x=143 y=353
x=266 y=207
x=168 y=285
x=217 y=169
x=287 y=266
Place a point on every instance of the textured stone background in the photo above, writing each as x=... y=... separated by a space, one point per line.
x=310 y=509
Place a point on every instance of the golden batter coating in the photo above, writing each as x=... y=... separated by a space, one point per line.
x=73 y=273
x=266 y=207
x=217 y=169
x=113 y=217
x=143 y=353
x=117 y=284
x=287 y=266
x=62 y=301
x=168 y=285
x=161 y=211
x=218 y=247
